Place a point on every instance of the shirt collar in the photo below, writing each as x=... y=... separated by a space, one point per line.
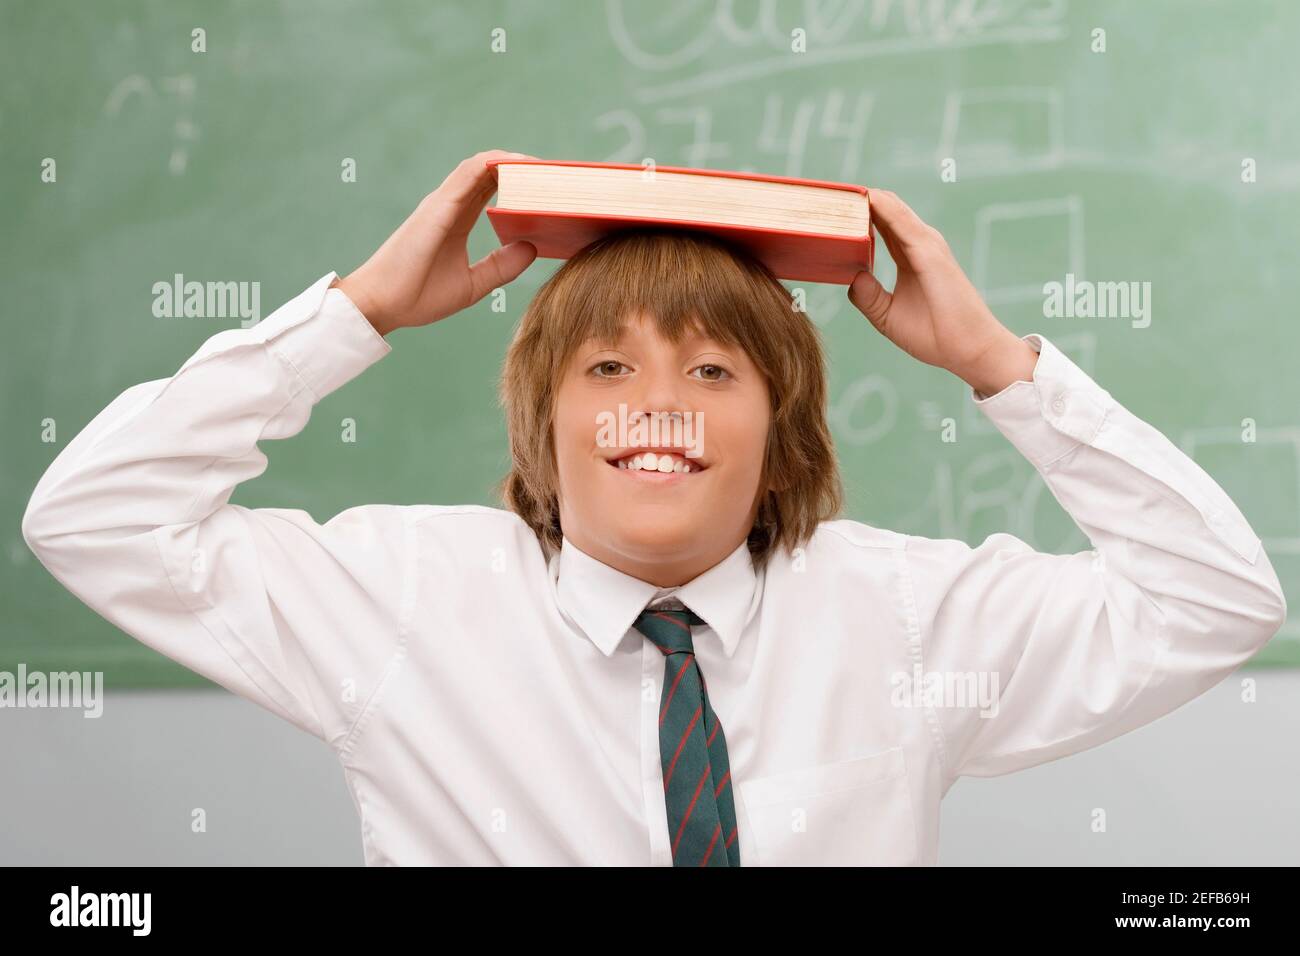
x=603 y=601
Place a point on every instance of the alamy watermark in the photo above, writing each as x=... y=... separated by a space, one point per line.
x=683 y=430
x=1085 y=299
x=208 y=300
x=128 y=910
x=81 y=690
x=958 y=689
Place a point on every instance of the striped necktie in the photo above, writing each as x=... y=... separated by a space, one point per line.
x=692 y=748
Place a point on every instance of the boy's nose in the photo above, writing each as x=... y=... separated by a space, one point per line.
x=658 y=393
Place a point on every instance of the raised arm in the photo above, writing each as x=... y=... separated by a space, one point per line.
x=1078 y=648
x=134 y=516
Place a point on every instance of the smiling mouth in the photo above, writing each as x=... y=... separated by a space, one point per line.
x=649 y=463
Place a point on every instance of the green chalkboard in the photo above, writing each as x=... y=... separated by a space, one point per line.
x=1115 y=142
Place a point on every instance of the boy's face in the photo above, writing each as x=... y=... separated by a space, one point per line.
x=664 y=527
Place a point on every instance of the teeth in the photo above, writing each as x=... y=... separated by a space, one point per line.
x=649 y=461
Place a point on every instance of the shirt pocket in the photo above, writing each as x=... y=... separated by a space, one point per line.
x=856 y=812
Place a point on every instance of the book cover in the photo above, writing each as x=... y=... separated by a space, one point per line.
x=793 y=254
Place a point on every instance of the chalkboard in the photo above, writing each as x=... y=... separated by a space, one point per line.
x=1108 y=142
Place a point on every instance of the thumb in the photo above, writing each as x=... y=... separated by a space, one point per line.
x=499 y=267
x=870 y=298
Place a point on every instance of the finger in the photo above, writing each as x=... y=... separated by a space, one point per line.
x=914 y=245
x=462 y=216
x=897 y=220
x=499 y=267
x=870 y=298
x=457 y=203
x=894 y=246
x=473 y=174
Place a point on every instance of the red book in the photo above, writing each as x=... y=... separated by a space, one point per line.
x=802 y=229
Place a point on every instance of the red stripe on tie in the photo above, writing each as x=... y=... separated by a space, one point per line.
x=722 y=783
x=716 y=724
x=672 y=690
x=708 y=854
x=708 y=772
x=731 y=839
x=664 y=617
x=685 y=736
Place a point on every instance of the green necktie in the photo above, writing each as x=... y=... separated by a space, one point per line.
x=692 y=748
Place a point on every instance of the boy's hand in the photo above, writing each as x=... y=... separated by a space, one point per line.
x=422 y=271
x=934 y=313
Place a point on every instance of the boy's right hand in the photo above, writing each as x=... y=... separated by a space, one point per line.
x=422 y=271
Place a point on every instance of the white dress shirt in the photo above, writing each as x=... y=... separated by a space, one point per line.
x=491 y=706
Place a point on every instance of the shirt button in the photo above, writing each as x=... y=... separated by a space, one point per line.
x=1058 y=404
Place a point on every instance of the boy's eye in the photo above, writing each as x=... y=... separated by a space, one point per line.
x=608 y=368
x=714 y=373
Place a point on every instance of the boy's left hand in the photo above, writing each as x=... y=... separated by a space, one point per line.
x=934 y=312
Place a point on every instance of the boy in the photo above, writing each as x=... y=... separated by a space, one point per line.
x=663 y=655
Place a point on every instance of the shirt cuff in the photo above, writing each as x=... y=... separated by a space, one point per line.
x=323 y=335
x=1060 y=408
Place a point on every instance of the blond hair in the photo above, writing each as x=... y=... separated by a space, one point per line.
x=682 y=280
